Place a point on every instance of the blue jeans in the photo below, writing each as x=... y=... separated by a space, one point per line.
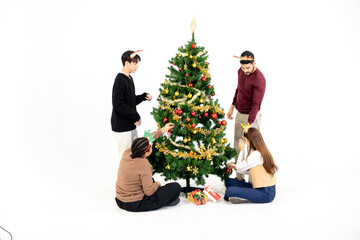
x=242 y=189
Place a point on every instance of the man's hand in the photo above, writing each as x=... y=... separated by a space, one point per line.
x=230 y=113
x=138 y=123
x=231 y=166
x=148 y=97
x=167 y=127
x=158 y=183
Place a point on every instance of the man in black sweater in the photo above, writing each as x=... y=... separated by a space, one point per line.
x=124 y=117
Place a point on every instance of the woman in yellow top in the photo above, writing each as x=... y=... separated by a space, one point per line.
x=259 y=164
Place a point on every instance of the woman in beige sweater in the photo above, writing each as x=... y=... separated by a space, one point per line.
x=136 y=190
x=260 y=165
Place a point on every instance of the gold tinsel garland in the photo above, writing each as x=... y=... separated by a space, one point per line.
x=202 y=152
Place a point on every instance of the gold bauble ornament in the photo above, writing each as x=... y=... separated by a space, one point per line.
x=167 y=167
x=166 y=91
x=213 y=140
x=189 y=95
x=194 y=132
x=165 y=82
x=186 y=54
x=201 y=100
x=189 y=139
x=191 y=56
x=222 y=141
x=179 y=54
x=185 y=140
x=225 y=140
x=176 y=93
x=188 y=168
x=194 y=65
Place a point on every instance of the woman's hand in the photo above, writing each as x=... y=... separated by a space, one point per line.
x=241 y=144
x=167 y=127
x=231 y=166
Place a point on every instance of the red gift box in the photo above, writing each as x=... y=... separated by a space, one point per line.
x=197 y=197
x=212 y=194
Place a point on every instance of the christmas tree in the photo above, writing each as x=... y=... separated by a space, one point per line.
x=196 y=146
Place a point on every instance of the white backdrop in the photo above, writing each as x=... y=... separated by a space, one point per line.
x=58 y=161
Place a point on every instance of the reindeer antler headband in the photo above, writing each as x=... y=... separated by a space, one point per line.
x=245 y=58
x=246 y=127
x=133 y=54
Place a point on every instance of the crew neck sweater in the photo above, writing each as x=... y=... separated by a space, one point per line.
x=134 y=179
x=124 y=102
x=249 y=93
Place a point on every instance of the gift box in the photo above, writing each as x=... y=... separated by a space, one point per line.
x=214 y=196
x=197 y=197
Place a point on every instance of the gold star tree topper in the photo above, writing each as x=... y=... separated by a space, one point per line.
x=193 y=25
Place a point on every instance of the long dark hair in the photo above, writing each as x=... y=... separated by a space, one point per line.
x=139 y=147
x=256 y=142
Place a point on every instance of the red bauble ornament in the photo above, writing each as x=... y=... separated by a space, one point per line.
x=213 y=94
x=209 y=86
x=223 y=123
x=203 y=78
x=179 y=112
x=188 y=119
x=228 y=171
x=214 y=115
x=206 y=114
x=191 y=85
x=170 y=130
x=193 y=113
x=179 y=69
x=199 y=116
x=165 y=120
x=173 y=63
x=193 y=46
x=193 y=125
x=219 y=122
x=187 y=74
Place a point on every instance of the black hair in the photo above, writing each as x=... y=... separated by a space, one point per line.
x=126 y=57
x=247 y=54
x=139 y=146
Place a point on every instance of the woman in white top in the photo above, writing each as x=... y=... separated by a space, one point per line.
x=259 y=164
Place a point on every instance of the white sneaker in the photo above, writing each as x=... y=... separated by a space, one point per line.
x=238 y=200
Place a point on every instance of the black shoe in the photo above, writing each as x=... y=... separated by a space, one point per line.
x=173 y=203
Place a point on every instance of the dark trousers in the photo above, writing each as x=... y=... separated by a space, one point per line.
x=242 y=189
x=162 y=196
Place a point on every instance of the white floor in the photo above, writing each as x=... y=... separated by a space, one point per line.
x=47 y=206
x=58 y=164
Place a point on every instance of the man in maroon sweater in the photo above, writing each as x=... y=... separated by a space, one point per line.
x=248 y=97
